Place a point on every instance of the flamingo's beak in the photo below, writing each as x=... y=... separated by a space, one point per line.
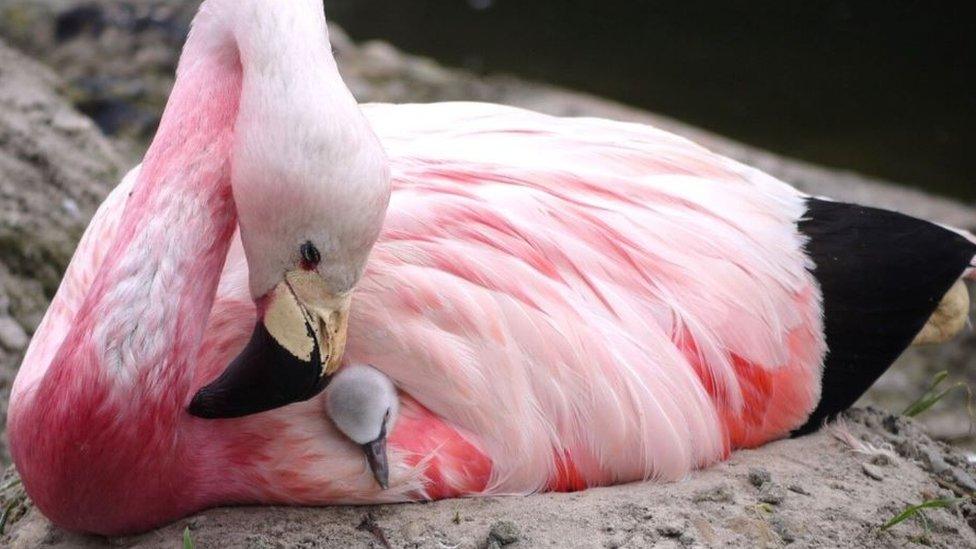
x=296 y=346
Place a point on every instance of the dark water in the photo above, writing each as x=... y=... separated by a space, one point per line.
x=881 y=87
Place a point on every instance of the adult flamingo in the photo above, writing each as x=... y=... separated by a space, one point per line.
x=561 y=303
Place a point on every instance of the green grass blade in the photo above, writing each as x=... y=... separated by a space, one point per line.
x=188 y=539
x=912 y=510
x=924 y=404
x=931 y=397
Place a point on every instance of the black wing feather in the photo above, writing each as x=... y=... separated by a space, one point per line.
x=882 y=275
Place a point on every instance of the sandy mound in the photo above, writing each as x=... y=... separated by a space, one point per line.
x=836 y=488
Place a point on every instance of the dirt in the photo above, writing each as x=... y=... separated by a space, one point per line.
x=808 y=492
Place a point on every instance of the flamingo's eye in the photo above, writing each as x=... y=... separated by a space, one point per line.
x=310 y=254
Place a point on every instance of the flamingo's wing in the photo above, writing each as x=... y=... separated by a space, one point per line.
x=616 y=290
x=610 y=288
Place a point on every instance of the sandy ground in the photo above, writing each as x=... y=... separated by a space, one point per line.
x=816 y=491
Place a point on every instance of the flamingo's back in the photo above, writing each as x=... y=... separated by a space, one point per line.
x=606 y=301
x=588 y=298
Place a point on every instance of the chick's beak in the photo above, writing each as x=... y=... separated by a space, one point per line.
x=296 y=346
x=376 y=458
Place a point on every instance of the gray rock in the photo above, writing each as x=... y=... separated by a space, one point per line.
x=883 y=460
x=772 y=493
x=721 y=493
x=872 y=471
x=672 y=529
x=782 y=528
x=505 y=532
x=963 y=479
x=759 y=476
x=933 y=461
x=798 y=489
x=12 y=336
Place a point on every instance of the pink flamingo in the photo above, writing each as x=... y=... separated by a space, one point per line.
x=560 y=303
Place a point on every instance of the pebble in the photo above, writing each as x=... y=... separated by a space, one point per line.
x=881 y=459
x=719 y=494
x=798 y=489
x=12 y=336
x=671 y=530
x=964 y=479
x=504 y=532
x=892 y=425
x=933 y=461
x=872 y=471
x=782 y=529
x=759 y=476
x=772 y=493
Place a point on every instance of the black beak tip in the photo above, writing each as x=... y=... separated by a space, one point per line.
x=376 y=458
x=264 y=376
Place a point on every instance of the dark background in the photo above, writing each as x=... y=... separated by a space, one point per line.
x=880 y=87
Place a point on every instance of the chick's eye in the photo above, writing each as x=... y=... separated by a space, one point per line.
x=310 y=254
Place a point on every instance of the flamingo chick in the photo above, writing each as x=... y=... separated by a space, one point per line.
x=362 y=403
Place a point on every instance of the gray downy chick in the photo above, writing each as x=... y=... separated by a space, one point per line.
x=362 y=403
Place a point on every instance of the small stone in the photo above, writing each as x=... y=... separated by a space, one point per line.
x=782 y=529
x=759 y=476
x=892 y=424
x=719 y=494
x=505 y=532
x=963 y=479
x=12 y=336
x=798 y=489
x=883 y=460
x=772 y=493
x=872 y=471
x=932 y=460
x=671 y=530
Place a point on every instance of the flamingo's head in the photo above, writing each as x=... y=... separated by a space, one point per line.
x=311 y=184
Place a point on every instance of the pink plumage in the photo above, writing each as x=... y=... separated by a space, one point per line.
x=562 y=303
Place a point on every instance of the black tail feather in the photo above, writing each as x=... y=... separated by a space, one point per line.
x=882 y=275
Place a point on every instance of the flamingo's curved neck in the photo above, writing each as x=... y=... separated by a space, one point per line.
x=118 y=386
